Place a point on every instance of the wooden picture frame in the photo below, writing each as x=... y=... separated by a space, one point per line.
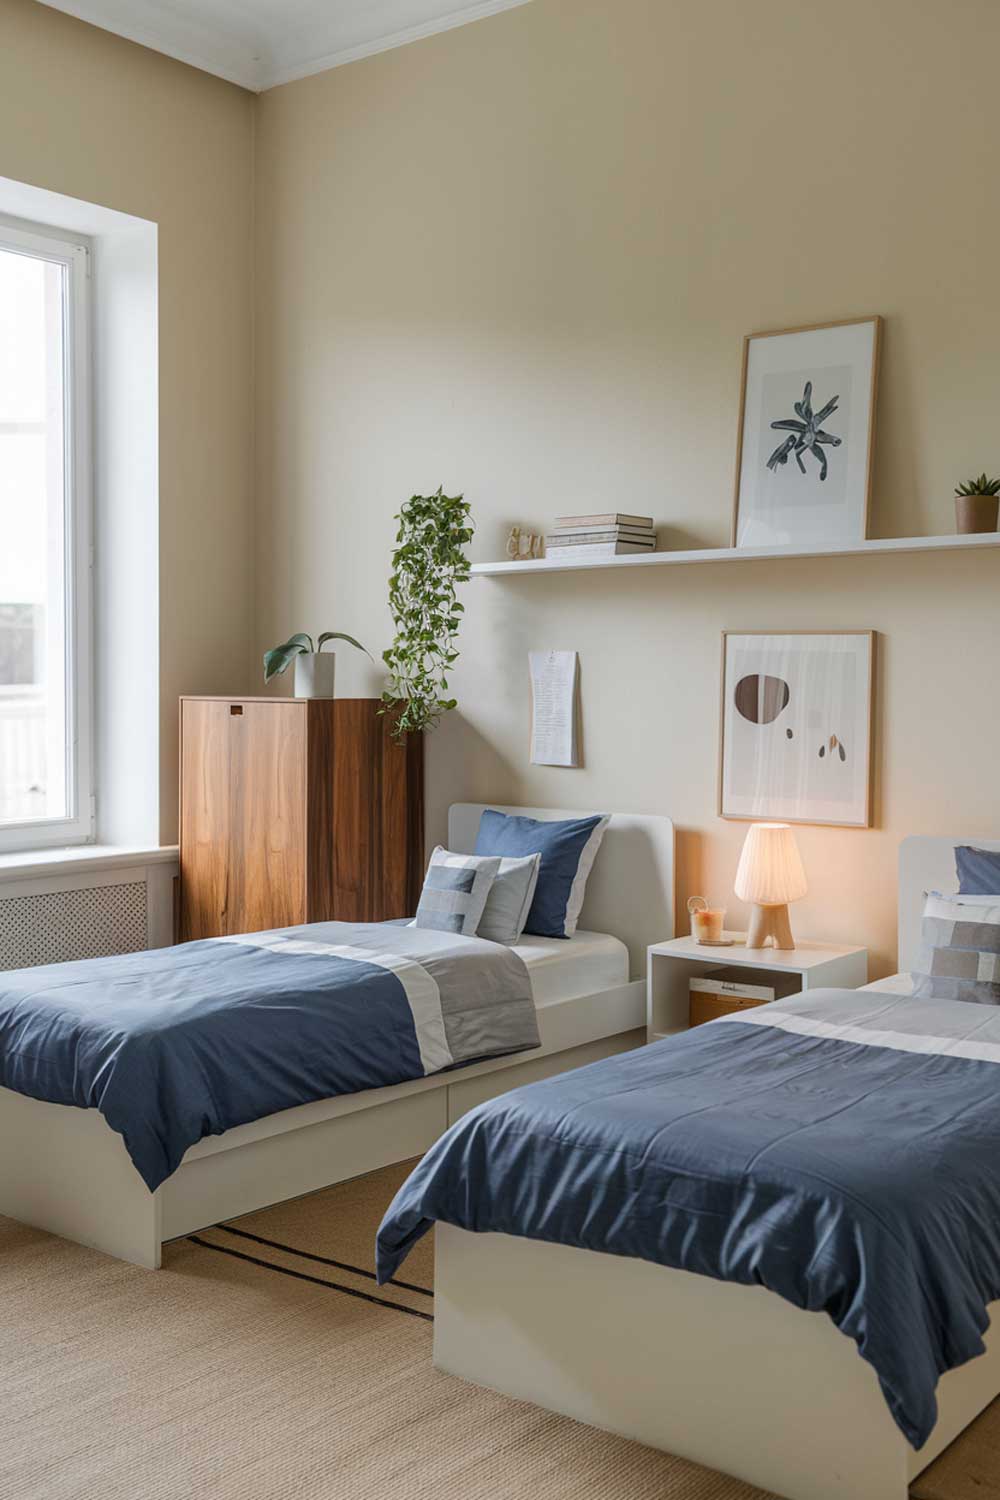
x=806 y=347
x=788 y=711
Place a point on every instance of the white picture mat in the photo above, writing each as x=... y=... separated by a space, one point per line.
x=775 y=770
x=782 y=506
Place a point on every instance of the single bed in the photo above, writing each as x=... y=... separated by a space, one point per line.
x=65 y=1169
x=718 y=1367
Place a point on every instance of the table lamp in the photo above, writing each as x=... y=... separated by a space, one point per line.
x=770 y=875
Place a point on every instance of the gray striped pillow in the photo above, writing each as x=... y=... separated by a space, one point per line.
x=455 y=890
x=960 y=958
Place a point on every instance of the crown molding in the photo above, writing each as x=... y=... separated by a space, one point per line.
x=279 y=73
x=203 y=47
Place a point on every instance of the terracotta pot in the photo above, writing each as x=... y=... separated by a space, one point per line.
x=976 y=513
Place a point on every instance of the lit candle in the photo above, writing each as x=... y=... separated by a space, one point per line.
x=707 y=922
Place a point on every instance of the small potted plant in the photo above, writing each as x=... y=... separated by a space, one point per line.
x=314 y=672
x=977 y=504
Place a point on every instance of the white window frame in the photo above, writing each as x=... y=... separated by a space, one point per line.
x=73 y=252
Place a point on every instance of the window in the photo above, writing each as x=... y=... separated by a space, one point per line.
x=46 y=789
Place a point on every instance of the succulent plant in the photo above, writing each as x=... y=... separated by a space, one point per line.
x=980 y=486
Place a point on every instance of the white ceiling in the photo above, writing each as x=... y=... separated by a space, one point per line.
x=259 y=43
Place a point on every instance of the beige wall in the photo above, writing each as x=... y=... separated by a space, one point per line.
x=86 y=114
x=518 y=259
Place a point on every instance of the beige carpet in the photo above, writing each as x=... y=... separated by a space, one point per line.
x=248 y=1371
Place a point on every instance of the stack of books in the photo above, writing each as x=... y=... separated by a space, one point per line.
x=600 y=536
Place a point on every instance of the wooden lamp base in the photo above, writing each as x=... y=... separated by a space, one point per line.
x=770 y=922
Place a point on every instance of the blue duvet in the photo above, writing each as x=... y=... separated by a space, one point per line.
x=842 y=1150
x=179 y=1043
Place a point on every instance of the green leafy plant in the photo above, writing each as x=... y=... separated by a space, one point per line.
x=427 y=565
x=280 y=658
x=980 y=486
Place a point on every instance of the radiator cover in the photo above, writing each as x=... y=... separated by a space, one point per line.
x=55 y=926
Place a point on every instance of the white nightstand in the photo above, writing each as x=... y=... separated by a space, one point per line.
x=670 y=967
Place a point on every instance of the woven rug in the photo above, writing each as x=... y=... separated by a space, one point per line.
x=263 y=1363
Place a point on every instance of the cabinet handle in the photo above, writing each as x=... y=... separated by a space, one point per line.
x=236 y=708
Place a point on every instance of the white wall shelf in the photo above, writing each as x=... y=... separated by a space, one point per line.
x=553 y=564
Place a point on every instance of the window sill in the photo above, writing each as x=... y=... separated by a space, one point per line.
x=82 y=859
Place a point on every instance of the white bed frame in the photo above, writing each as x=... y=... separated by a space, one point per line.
x=65 y=1170
x=730 y=1376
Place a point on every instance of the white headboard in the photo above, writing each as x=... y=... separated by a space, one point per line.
x=630 y=892
x=925 y=864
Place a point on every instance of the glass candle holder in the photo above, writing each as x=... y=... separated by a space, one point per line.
x=707 y=922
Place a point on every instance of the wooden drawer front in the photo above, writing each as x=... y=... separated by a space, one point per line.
x=710 y=1007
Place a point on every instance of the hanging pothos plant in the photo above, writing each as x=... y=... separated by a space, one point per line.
x=428 y=563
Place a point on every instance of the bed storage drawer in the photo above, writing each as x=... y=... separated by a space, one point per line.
x=209 y=1189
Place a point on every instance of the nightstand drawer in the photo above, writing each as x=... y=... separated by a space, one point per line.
x=711 y=1007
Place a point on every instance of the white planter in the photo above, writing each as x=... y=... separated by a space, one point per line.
x=314 y=674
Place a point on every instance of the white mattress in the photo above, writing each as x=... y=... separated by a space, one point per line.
x=895 y=984
x=566 y=968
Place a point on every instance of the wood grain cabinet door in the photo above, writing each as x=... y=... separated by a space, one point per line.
x=377 y=816
x=204 y=818
x=267 y=794
x=399 y=874
x=353 y=851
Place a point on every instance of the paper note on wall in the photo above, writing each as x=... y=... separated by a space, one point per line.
x=553 y=708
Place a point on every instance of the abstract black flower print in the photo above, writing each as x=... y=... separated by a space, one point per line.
x=805 y=433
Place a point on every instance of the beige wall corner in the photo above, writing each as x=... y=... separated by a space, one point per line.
x=89 y=115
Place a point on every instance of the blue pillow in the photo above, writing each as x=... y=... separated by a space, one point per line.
x=978 y=871
x=568 y=852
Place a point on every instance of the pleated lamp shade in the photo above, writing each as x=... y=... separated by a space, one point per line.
x=770 y=871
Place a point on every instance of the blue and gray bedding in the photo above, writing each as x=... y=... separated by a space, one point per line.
x=841 y=1149
x=180 y=1043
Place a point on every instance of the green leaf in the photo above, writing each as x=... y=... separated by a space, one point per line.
x=339 y=635
x=299 y=639
x=280 y=658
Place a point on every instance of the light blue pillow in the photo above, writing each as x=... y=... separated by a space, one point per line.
x=568 y=851
x=455 y=890
x=509 y=900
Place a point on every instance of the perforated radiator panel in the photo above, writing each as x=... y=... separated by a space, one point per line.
x=59 y=925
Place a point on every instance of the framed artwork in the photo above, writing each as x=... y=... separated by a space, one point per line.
x=807 y=428
x=796 y=727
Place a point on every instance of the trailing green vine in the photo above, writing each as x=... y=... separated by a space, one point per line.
x=427 y=565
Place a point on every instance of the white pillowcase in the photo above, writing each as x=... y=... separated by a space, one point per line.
x=509 y=900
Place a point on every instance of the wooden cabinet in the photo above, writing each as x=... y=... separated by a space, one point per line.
x=296 y=810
